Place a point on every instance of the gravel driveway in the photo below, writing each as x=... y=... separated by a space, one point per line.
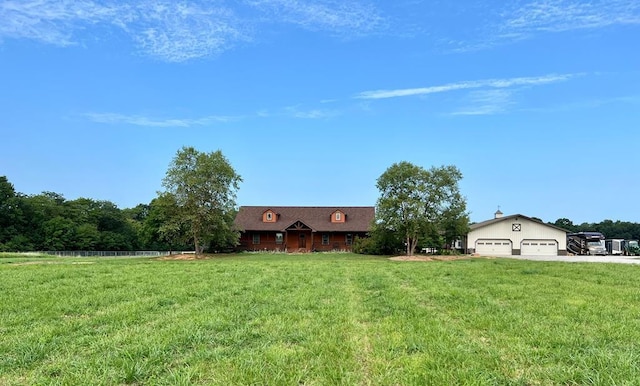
x=582 y=259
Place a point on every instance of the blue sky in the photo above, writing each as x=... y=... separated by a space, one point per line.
x=536 y=101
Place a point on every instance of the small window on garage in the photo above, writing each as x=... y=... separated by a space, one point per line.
x=516 y=227
x=279 y=238
x=325 y=239
x=256 y=238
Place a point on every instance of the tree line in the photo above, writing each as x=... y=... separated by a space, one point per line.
x=196 y=210
x=609 y=228
x=418 y=208
x=49 y=222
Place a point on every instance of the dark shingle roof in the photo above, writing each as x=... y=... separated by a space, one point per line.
x=318 y=218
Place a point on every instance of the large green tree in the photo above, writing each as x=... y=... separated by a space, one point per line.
x=204 y=186
x=163 y=227
x=415 y=202
x=9 y=213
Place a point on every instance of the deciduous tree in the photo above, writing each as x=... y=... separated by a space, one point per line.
x=204 y=186
x=9 y=212
x=415 y=202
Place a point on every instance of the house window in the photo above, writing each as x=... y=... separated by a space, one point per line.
x=338 y=216
x=256 y=238
x=269 y=216
x=279 y=238
x=348 y=239
x=516 y=227
x=325 y=239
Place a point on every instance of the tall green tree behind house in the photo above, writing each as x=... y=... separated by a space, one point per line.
x=204 y=186
x=417 y=203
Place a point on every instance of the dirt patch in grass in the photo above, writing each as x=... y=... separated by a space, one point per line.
x=191 y=256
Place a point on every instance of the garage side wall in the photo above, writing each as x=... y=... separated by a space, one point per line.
x=518 y=229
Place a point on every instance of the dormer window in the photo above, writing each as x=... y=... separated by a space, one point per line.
x=269 y=216
x=338 y=216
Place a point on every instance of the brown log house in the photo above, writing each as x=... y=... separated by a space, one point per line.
x=302 y=228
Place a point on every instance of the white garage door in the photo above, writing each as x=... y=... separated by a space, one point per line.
x=539 y=248
x=493 y=247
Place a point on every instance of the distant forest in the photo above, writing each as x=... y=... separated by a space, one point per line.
x=49 y=222
x=610 y=229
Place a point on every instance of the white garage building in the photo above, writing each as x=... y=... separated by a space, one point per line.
x=516 y=235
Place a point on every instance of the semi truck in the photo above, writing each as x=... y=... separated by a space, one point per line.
x=586 y=243
x=631 y=248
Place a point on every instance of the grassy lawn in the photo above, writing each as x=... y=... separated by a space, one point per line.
x=317 y=320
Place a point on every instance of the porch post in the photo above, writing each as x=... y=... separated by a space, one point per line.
x=286 y=238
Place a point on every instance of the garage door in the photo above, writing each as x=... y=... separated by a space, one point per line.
x=493 y=247
x=539 y=248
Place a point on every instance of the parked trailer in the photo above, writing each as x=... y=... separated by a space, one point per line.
x=586 y=243
x=615 y=246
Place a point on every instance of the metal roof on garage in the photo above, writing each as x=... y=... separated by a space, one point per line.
x=511 y=217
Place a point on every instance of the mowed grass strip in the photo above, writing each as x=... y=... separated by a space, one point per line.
x=318 y=320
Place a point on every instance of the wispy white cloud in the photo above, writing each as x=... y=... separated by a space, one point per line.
x=168 y=30
x=487 y=102
x=140 y=120
x=565 y=15
x=585 y=104
x=180 y=30
x=521 y=20
x=337 y=16
x=52 y=22
x=475 y=84
x=148 y=121
x=296 y=112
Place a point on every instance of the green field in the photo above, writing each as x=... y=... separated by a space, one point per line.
x=317 y=320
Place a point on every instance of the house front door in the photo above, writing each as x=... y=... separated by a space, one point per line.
x=302 y=241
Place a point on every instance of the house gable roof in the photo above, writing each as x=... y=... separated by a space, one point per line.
x=318 y=218
x=475 y=226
